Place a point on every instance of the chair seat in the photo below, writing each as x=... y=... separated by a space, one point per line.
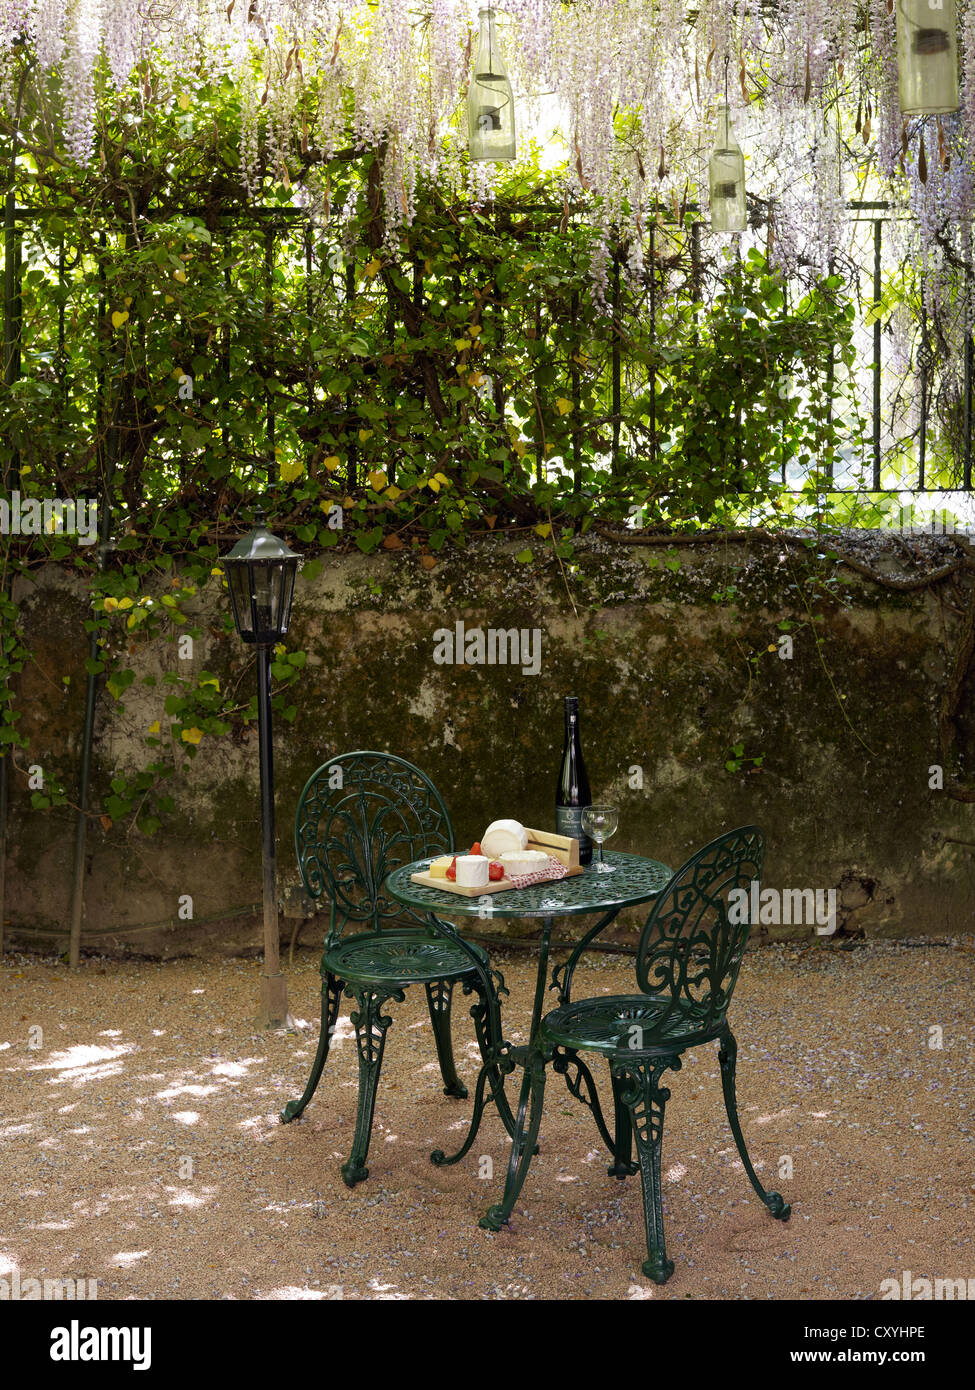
x=606 y=1025
x=405 y=956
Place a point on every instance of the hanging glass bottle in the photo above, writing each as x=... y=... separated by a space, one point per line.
x=927 y=57
x=490 y=103
x=726 y=178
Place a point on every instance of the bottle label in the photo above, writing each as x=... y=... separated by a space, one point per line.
x=568 y=821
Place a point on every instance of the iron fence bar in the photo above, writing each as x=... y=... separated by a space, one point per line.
x=617 y=405
x=352 y=466
x=877 y=234
x=923 y=364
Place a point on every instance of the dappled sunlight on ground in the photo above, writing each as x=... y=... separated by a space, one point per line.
x=140 y=1142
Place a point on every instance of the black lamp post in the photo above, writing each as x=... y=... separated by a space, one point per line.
x=261 y=576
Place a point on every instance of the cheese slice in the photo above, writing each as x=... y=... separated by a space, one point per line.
x=503 y=837
x=439 y=867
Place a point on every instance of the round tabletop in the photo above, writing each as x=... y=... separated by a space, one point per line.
x=634 y=880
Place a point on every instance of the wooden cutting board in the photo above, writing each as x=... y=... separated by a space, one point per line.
x=560 y=847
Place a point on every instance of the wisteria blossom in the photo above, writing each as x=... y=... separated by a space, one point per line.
x=633 y=85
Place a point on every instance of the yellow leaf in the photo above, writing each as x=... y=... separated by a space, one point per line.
x=169 y=299
x=442 y=478
x=373 y=268
x=184 y=102
x=127 y=301
x=280 y=649
x=289 y=469
x=180 y=275
x=474 y=329
x=348 y=502
x=377 y=480
x=111 y=604
x=125 y=603
x=154 y=727
x=771 y=647
x=131 y=621
x=364 y=435
x=120 y=317
x=211 y=680
x=217 y=571
x=159 y=409
x=332 y=462
x=433 y=484
x=394 y=493
x=191 y=735
x=563 y=406
x=543 y=530
x=461 y=344
x=519 y=447
x=475 y=378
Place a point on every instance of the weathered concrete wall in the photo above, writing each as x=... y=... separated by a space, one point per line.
x=672 y=667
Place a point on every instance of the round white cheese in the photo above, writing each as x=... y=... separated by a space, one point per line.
x=472 y=870
x=502 y=837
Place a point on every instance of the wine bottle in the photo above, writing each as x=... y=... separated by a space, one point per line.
x=572 y=793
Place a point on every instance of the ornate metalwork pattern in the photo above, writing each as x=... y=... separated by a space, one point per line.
x=359 y=816
x=399 y=956
x=615 y=1023
x=688 y=961
x=692 y=945
x=636 y=880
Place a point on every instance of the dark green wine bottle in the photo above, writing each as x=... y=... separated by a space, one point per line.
x=572 y=794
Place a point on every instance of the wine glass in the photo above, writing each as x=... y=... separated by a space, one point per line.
x=600 y=822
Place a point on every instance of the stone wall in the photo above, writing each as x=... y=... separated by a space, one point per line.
x=669 y=653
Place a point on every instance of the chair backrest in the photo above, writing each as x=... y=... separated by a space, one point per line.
x=360 y=816
x=693 y=941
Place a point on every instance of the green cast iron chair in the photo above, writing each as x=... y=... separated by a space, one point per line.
x=359 y=817
x=689 y=955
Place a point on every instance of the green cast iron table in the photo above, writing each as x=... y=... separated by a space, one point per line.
x=635 y=880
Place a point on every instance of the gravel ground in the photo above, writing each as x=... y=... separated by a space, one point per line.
x=141 y=1145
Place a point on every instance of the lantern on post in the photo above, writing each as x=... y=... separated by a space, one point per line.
x=927 y=57
x=490 y=102
x=261 y=577
x=726 y=178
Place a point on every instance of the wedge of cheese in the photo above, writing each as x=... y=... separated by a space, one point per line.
x=504 y=837
x=524 y=861
x=439 y=867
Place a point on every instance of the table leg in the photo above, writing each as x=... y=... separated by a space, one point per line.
x=524 y=1139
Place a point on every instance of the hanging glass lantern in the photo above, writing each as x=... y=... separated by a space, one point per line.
x=726 y=178
x=927 y=57
x=490 y=103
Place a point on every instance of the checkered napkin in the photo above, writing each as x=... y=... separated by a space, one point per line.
x=556 y=869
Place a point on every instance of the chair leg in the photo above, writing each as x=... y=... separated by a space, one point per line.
x=727 y=1059
x=439 y=996
x=640 y=1091
x=331 y=995
x=523 y=1143
x=622 y=1165
x=370 y=1033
